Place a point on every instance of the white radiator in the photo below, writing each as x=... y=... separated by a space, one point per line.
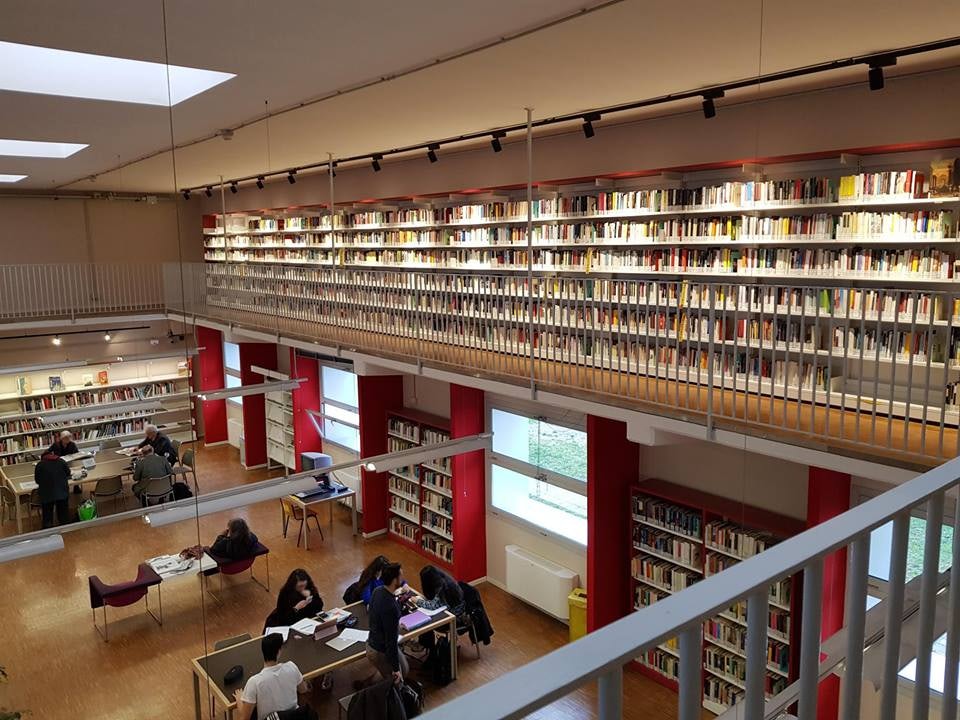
x=539 y=581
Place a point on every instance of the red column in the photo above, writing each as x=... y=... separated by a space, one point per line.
x=376 y=396
x=211 y=378
x=828 y=495
x=254 y=406
x=613 y=465
x=467 y=417
x=306 y=398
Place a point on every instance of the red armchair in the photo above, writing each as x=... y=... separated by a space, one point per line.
x=226 y=566
x=124 y=594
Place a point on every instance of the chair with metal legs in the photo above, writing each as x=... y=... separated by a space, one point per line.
x=124 y=594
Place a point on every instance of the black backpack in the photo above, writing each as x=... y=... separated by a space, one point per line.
x=438 y=662
x=411 y=693
x=181 y=491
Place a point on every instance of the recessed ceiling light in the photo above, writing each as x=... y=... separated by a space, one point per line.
x=11 y=178
x=48 y=71
x=38 y=149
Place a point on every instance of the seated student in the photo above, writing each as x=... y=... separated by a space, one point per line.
x=236 y=542
x=273 y=689
x=52 y=477
x=159 y=442
x=298 y=599
x=64 y=445
x=439 y=590
x=370 y=578
x=149 y=467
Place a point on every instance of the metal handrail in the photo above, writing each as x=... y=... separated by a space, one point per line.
x=606 y=650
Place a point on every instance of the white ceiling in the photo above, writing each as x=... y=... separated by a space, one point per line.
x=291 y=51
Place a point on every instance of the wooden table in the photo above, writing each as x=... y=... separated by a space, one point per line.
x=313 y=657
x=19 y=477
x=327 y=497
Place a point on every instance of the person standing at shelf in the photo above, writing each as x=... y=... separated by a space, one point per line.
x=52 y=477
x=64 y=445
x=149 y=466
x=159 y=442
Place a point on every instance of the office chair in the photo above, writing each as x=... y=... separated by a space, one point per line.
x=109 y=487
x=186 y=466
x=159 y=489
x=230 y=642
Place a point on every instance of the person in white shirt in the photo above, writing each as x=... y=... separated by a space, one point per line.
x=273 y=689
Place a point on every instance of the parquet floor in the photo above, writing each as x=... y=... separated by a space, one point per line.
x=60 y=669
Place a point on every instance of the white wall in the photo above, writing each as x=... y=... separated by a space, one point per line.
x=427 y=395
x=757 y=480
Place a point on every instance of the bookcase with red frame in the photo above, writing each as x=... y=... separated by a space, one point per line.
x=681 y=535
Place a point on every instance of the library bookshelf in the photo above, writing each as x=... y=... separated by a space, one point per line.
x=679 y=536
x=25 y=398
x=421 y=496
x=837 y=291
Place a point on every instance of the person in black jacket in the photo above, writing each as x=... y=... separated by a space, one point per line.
x=298 y=599
x=159 y=442
x=440 y=590
x=64 y=445
x=236 y=542
x=384 y=614
x=53 y=486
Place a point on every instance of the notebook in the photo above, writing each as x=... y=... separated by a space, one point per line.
x=413 y=620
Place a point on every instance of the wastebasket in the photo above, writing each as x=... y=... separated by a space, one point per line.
x=578 y=613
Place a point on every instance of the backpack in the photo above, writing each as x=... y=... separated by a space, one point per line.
x=181 y=491
x=411 y=693
x=439 y=662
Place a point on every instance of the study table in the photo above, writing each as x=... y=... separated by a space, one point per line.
x=19 y=477
x=313 y=657
x=305 y=500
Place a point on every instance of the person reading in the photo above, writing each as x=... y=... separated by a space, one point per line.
x=274 y=689
x=236 y=542
x=160 y=443
x=64 y=445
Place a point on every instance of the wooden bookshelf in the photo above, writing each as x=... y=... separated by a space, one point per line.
x=27 y=397
x=679 y=537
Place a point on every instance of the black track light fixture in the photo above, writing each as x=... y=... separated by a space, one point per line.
x=432 y=152
x=234 y=188
x=375 y=162
x=709 y=108
x=186 y=194
x=588 y=121
x=495 y=140
x=260 y=182
x=875 y=73
x=292 y=177
x=208 y=191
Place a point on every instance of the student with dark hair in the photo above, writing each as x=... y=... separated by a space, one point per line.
x=370 y=578
x=384 y=615
x=298 y=599
x=273 y=689
x=439 y=590
x=52 y=477
x=236 y=542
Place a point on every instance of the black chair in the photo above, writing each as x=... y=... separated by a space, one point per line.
x=230 y=642
x=352 y=594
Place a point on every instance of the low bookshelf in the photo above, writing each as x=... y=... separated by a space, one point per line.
x=680 y=536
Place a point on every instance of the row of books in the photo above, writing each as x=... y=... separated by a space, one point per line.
x=902 y=346
x=404 y=529
x=433 y=501
x=667 y=544
x=437 y=523
x=403 y=486
x=609 y=296
x=395 y=444
x=440 y=482
x=733 y=635
x=436 y=545
x=722 y=693
x=663 y=573
x=662 y=662
x=81 y=398
x=45 y=440
x=668 y=515
x=644 y=595
x=404 y=507
x=404 y=428
x=854 y=262
x=737 y=540
x=725 y=663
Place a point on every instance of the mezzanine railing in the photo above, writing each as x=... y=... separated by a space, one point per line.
x=602 y=655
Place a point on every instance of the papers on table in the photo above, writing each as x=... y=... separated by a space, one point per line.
x=347 y=638
x=305 y=626
x=281 y=629
x=338 y=614
x=432 y=613
x=128 y=452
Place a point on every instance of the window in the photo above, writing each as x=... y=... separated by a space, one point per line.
x=539 y=474
x=339 y=406
x=231 y=369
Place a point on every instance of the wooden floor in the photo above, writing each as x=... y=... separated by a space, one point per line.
x=861 y=433
x=60 y=669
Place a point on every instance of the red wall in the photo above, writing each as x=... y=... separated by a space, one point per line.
x=307 y=397
x=254 y=406
x=376 y=396
x=828 y=495
x=467 y=417
x=613 y=464
x=211 y=378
